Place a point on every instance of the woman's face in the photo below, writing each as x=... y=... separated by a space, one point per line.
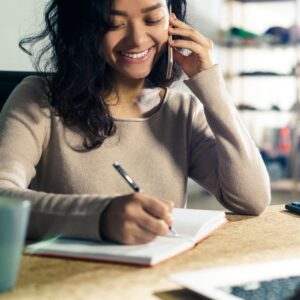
x=137 y=37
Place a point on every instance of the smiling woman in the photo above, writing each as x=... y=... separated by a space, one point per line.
x=136 y=38
x=92 y=46
x=107 y=99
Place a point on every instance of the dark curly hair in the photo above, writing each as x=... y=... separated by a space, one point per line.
x=78 y=77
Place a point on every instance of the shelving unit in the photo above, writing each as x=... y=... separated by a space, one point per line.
x=269 y=93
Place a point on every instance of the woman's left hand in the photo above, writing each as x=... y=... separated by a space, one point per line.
x=200 y=58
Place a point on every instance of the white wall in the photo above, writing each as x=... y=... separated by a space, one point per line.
x=204 y=15
x=19 y=18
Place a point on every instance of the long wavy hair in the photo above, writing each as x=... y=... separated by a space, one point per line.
x=78 y=78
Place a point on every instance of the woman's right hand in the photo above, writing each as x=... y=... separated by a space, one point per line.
x=136 y=219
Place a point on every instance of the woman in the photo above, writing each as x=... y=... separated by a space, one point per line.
x=107 y=100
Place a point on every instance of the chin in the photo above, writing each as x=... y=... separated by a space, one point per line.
x=136 y=75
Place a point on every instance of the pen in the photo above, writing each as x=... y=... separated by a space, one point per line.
x=133 y=185
x=128 y=179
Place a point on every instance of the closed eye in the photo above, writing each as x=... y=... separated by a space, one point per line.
x=114 y=27
x=148 y=22
x=152 y=22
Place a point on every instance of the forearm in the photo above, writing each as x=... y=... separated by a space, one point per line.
x=244 y=185
x=237 y=176
x=76 y=216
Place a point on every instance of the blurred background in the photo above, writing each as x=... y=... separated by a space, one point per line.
x=256 y=45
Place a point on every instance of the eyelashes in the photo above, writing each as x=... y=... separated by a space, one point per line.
x=151 y=22
x=147 y=22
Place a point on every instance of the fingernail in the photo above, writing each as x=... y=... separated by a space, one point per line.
x=168 y=216
x=169 y=219
x=173 y=16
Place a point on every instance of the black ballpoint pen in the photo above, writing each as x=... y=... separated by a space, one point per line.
x=133 y=185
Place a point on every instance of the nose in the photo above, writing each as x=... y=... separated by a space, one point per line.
x=136 y=35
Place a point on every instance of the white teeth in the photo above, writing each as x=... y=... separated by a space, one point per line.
x=135 y=55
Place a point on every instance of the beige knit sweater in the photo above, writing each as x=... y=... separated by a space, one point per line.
x=201 y=138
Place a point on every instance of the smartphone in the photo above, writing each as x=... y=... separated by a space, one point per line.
x=293 y=207
x=170 y=52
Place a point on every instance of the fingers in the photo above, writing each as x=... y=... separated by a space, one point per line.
x=141 y=230
x=136 y=219
x=199 y=47
x=135 y=234
x=192 y=35
x=176 y=22
x=169 y=203
x=153 y=215
x=142 y=237
x=192 y=46
x=158 y=208
x=149 y=223
x=188 y=33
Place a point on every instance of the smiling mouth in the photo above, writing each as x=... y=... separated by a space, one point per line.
x=136 y=55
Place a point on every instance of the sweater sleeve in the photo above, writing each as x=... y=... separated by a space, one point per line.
x=24 y=133
x=223 y=157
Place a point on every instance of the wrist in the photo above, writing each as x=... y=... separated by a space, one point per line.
x=103 y=223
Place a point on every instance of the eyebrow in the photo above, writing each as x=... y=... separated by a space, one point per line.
x=144 y=10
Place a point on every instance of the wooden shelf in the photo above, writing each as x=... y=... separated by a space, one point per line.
x=255 y=46
x=285 y=185
x=232 y=76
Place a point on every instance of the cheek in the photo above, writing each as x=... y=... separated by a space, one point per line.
x=161 y=34
x=106 y=47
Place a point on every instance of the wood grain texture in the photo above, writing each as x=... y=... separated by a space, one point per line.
x=271 y=236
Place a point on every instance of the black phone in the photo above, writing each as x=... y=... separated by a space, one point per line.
x=293 y=207
x=170 y=52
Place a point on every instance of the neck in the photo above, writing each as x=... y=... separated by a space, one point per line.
x=127 y=89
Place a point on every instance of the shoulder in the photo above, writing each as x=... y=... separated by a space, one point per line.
x=29 y=95
x=31 y=89
x=183 y=101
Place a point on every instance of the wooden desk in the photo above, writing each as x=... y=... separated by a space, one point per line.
x=273 y=235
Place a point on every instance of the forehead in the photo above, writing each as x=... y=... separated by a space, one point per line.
x=137 y=6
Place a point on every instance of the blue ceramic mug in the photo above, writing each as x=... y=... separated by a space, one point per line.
x=14 y=214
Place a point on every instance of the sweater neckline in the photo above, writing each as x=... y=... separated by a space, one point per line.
x=142 y=119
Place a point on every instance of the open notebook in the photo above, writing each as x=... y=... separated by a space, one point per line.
x=191 y=226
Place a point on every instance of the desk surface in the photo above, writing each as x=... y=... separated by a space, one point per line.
x=273 y=235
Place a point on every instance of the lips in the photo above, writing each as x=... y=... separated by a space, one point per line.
x=136 y=57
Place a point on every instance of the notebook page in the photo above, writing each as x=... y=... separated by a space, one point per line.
x=158 y=249
x=191 y=222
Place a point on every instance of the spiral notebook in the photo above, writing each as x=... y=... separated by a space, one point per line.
x=191 y=226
